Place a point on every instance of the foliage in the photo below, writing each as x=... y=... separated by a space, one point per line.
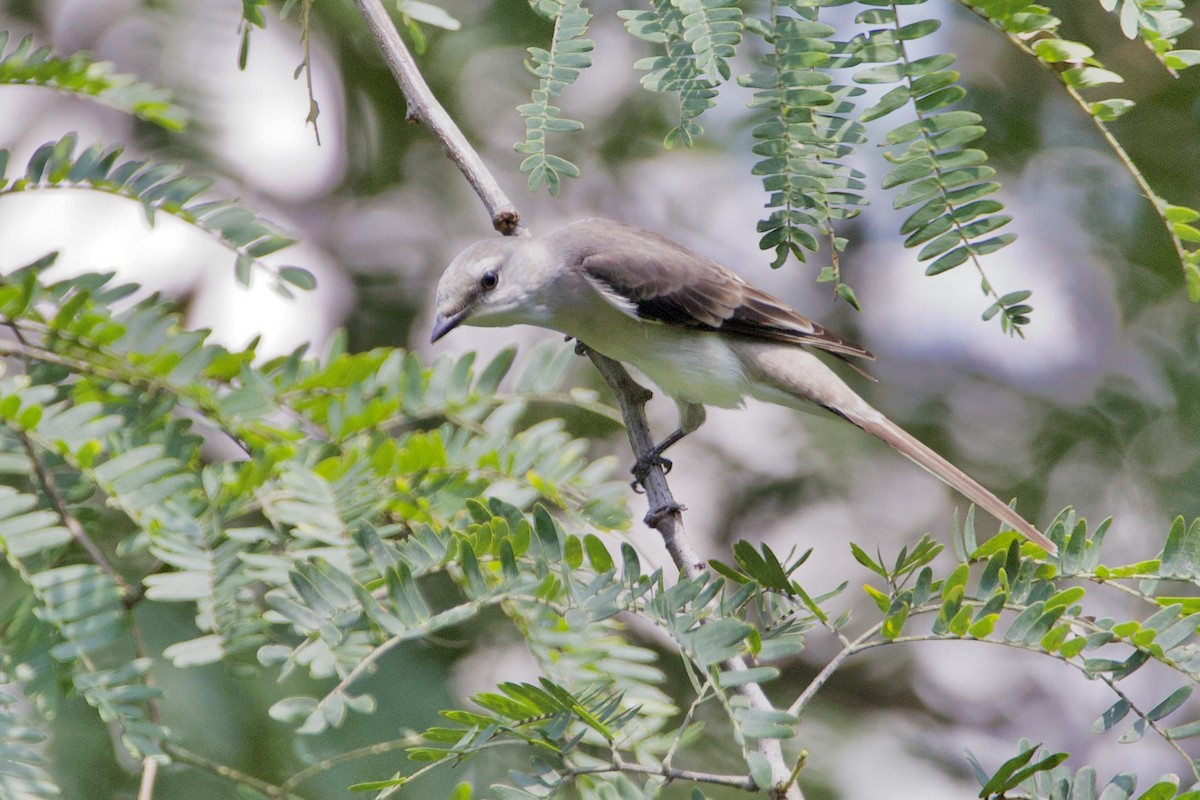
x=81 y=75
x=555 y=69
x=159 y=187
x=300 y=554
x=698 y=38
x=22 y=769
x=806 y=138
x=314 y=514
x=808 y=125
x=353 y=472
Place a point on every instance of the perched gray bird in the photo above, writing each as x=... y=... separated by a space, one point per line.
x=699 y=331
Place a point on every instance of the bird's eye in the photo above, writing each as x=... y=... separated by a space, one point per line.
x=488 y=280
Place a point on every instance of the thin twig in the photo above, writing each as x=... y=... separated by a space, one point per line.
x=670 y=773
x=423 y=106
x=1122 y=155
x=73 y=525
x=312 y=770
x=814 y=686
x=230 y=773
x=149 y=776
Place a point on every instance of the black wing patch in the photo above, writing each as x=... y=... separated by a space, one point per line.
x=717 y=300
x=659 y=280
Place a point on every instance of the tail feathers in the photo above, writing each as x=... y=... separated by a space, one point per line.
x=793 y=377
x=914 y=450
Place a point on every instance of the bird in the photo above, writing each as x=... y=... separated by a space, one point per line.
x=699 y=331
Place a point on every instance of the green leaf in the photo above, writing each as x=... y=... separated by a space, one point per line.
x=1111 y=109
x=893 y=624
x=892 y=99
x=1109 y=719
x=917 y=30
x=1014 y=771
x=298 y=277
x=949 y=261
x=1181 y=59
x=885 y=73
x=1088 y=77
x=716 y=641
x=765 y=723
x=734 y=679
x=1054 y=51
x=760 y=769
x=861 y=557
x=1170 y=704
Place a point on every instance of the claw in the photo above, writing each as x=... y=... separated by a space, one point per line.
x=643 y=466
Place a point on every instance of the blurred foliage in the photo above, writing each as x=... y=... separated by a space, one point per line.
x=170 y=507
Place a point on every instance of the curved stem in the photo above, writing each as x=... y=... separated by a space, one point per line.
x=423 y=106
x=312 y=770
x=233 y=774
x=814 y=686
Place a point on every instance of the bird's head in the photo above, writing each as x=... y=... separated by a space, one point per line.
x=490 y=284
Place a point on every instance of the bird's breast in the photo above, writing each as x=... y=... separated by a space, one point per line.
x=688 y=365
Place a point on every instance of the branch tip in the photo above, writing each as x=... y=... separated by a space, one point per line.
x=508 y=222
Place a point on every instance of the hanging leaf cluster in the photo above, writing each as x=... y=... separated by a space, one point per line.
x=809 y=130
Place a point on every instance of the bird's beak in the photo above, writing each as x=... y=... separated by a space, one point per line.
x=443 y=324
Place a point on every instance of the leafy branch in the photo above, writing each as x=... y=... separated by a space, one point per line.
x=81 y=75
x=159 y=188
x=555 y=69
x=1035 y=32
x=806 y=138
x=947 y=181
x=698 y=37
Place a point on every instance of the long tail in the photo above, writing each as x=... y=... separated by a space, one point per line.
x=964 y=484
x=784 y=375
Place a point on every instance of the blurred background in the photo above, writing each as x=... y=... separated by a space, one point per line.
x=1098 y=408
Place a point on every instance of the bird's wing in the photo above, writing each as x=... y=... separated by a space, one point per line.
x=659 y=280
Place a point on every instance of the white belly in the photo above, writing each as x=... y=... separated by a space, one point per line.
x=688 y=365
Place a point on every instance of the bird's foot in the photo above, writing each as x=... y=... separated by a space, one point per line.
x=656 y=515
x=646 y=463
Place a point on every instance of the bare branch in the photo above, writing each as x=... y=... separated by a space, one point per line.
x=423 y=106
x=149 y=776
x=665 y=515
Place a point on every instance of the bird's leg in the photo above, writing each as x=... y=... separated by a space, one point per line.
x=655 y=459
x=691 y=417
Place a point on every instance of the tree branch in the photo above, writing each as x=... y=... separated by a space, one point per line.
x=312 y=770
x=665 y=515
x=149 y=776
x=423 y=106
